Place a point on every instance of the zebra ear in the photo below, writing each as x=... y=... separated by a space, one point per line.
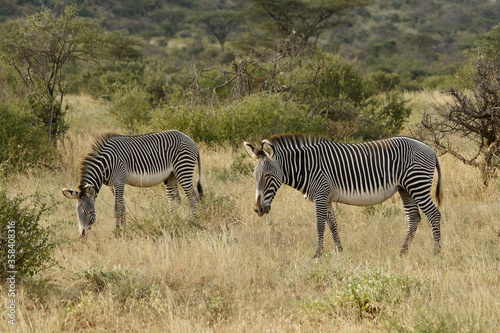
x=70 y=194
x=268 y=148
x=89 y=190
x=251 y=151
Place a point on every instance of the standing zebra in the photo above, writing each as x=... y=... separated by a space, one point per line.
x=143 y=160
x=357 y=174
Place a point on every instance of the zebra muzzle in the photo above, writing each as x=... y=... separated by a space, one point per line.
x=261 y=208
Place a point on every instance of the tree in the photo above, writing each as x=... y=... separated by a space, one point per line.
x=39 y=47
x=473 y=113
x=490 y=43
x=304 y=18
x=219 y=18
x=219 y=23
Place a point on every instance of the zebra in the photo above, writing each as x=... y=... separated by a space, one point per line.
x=360 y=174
x=141 y=160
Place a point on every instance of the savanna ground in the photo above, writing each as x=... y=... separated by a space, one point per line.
x=232 y=271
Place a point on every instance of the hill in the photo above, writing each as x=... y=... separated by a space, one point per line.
x=414 y=39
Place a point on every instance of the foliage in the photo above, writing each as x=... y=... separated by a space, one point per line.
x=48 y=111
x=252 y=118
x=130 y=106
x=303 y=19
x=474 y=114
x=380 y=34
x=24 y=141
x=490 y=43
x=125 y=288
x=324 y=84
x=342 y=93
x=32 y=247
x=368 y=294
x=39 y=47
x=219 y=19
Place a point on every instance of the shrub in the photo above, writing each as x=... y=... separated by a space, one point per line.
x=368 y=294
x=130 y=106
x=384 y=117
x=255 y=117
x=49 y=112
x=351 y=101
x=25 y=247
x=25 y=142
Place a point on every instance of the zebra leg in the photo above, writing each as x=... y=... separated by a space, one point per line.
x=434 y=216
x=172 y=189
x=321 y=206
x=332 y=224
x=119 y=205
x=187 y=185
x=412 y=216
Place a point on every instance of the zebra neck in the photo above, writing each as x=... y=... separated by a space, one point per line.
x=95 y=171
x=294 y=165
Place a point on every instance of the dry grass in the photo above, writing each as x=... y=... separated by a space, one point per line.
x=241 y=273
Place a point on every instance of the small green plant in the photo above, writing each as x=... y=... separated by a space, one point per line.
x=241 y=165
x=97 y=279
x=367 y=295
x=218 y=210
x=25 y=246
x=121 y=284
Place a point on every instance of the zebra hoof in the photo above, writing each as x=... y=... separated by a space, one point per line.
x=317 y=255
x=118 y=232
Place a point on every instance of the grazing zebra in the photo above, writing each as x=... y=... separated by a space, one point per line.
x=143 y=160
x=359 y=174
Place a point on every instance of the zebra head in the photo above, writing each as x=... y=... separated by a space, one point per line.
x=84 y=206
x=268 y=175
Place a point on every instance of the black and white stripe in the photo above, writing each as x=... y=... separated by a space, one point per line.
x=358 y=174
x=143 y=160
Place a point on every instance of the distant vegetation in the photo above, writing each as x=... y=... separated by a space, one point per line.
x=414 y=39
x=226 y=71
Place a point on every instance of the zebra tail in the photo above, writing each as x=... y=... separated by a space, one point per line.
x=199 y=187
x=439 y=187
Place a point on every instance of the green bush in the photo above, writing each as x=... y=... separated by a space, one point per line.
x=355 y=102
x=25 y=246
x=255 y=117
x=439 y=82
x=319 y=93
x=130 y=106
x=49 y=112
x=368 y=294
x=384 y=117
x=25 y=142
x=381 y=81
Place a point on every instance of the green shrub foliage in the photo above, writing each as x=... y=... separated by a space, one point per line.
x=319 y=93
x=25 y=246
x=130 y=106
x=25 y=142
x=252 y=118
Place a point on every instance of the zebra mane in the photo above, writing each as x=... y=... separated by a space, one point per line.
x=101 y=141
x=297 y=140
x=88 y=164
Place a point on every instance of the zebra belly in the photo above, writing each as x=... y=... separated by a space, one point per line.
x=366 y=198
x=145 y=180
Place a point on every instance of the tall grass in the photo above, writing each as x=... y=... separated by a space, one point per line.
x=241 y=273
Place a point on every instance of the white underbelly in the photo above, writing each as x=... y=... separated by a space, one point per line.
x=144 y=180
x=368 y=199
